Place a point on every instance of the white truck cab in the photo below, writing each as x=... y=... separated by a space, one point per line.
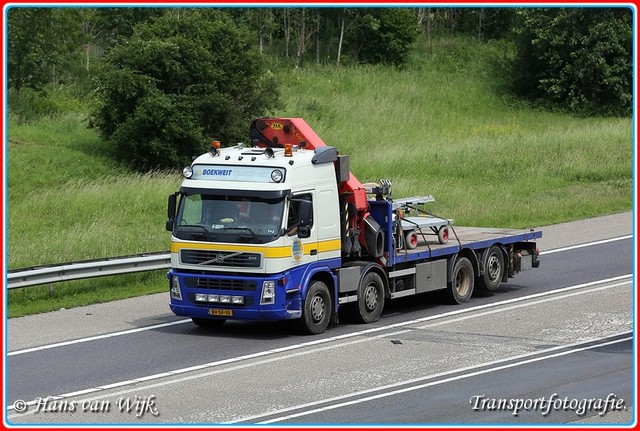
x=251 y=225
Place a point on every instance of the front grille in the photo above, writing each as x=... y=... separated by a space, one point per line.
x=220 y=258
x=219 y=284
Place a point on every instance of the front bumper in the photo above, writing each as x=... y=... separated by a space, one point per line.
x=286 y=303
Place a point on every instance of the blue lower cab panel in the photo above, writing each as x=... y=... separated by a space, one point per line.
x=212 y=296
x=238 y=314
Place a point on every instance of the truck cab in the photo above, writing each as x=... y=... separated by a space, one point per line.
x=250 y=228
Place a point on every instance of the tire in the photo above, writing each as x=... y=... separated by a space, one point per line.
x=493 y=270
x=462 y=281
x=316 y=312
x=370 y=298
x=443 y=234
x=411 y=240
x=203 y=322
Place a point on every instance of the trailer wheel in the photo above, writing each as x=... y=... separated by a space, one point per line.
x=443 y=234
x=411 y=239
x=370 y=298
x=493 y=270
x=316 y=313
x=462 y=281
x=203 y=322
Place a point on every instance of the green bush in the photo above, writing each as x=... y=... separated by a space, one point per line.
x=579 y=59
x=176 y=84
x=384 y=35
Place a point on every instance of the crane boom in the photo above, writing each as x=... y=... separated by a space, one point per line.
x=280 y=132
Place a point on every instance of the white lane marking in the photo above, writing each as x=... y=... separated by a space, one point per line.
x=180 y=322
x=96 y=337
x=547 y=355
x=588 y=244
x=516 y=306
x=313 y=343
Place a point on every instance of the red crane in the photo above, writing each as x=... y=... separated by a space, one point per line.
x=295 y=132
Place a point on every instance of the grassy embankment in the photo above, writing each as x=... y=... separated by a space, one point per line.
x=440 y=126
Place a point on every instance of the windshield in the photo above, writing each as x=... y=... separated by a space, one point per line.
x=228 y=218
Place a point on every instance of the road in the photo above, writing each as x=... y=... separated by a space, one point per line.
x=557 y=338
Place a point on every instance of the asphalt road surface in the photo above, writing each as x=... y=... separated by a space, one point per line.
x=554 y=345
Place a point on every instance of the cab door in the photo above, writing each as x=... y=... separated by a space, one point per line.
x=301 y=234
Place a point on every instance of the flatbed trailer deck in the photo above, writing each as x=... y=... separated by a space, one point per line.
x=473 y=238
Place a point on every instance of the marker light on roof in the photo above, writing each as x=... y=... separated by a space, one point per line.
x=288 y=150
x=214 y=150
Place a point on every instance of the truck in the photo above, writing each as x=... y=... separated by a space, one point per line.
x=281 y=229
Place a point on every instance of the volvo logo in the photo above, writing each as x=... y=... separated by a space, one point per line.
x=219 y=258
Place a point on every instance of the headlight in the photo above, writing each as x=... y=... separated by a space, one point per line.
x=268 y=292
x=276 y=175
x=174 y=290
x=187 y=172
x=201 y=297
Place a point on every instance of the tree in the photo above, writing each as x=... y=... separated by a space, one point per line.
x=485 y=23
x=579 y=58
x=181 y=80
x=383 y=35
x=32 y=48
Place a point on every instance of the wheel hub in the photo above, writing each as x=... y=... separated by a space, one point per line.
x=462 y=282
x=371 y=297
x=317 y=308
x=493 y=268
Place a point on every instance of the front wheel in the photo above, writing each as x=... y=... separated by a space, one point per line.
x=411 y=239
x=316 y=313
x=462 y=281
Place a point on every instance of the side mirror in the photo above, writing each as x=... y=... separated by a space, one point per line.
x=171 y=211
x=304 y=232
x=303 y=220
x=305 y=213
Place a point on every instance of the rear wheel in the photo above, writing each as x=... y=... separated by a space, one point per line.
x=316 y=313
x=493 y=270
x=370 y=298
x=462 y=280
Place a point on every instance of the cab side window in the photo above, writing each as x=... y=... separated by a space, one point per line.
x=294 y=217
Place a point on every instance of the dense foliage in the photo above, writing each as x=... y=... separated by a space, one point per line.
x=178 y=83
x=579 y=59
x=384 y=36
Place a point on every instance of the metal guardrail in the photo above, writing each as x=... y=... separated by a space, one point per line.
x=45 y=274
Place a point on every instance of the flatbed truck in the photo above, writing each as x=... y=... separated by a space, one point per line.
x=281 y=229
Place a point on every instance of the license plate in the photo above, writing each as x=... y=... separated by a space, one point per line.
x=217 y=312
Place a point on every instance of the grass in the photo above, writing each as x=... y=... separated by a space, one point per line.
x=444 y=131
x=440 y=126
x=44 y=298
